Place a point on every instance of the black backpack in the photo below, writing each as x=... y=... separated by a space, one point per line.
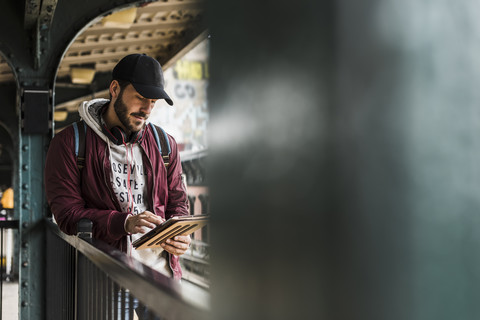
x=161 y=139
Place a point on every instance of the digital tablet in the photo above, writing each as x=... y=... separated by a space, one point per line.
x=181 y=225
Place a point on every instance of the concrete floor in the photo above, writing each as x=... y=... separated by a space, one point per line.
x=10 y=301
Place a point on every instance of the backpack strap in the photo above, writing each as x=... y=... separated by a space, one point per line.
x=80 y=128
x=162 y=142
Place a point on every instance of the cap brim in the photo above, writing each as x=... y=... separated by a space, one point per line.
x=152 y=92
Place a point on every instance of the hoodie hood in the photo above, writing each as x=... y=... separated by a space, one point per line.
x=91 y=113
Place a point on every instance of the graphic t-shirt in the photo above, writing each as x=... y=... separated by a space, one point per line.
x=128 y=177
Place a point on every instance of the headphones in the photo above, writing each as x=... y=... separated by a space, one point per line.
x=118 y=136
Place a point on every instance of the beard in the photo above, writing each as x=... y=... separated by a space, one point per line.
x=130 y=124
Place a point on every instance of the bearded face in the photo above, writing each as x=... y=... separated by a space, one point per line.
x=132 y=121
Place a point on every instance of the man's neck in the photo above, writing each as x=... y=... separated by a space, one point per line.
x=111 y=119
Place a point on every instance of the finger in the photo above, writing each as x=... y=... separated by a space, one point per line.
x=173 y=250
x=139 y=229
x=185 y=239
x=144 y=223
x=131 y=224
x=177 y=244
x=145 y=218
x=152 y=217
x=155 y=219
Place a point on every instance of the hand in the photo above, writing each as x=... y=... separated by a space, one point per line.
x=140 y=223
x=178 y=245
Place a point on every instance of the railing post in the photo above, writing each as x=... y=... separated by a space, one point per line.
x=60 y=277
x=84 y=231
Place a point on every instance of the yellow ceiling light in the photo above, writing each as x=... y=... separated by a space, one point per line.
x=120 y=19
x=82 y=75
x=60 y=115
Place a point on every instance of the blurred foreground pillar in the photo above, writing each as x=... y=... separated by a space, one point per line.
x=345 y=159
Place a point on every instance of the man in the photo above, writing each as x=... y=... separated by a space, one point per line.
x=125 y=188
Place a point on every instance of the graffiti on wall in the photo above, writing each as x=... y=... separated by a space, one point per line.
x=186 y=83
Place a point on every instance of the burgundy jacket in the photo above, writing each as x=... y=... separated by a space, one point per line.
x=73 y=196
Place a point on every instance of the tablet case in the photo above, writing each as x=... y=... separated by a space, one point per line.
x=181 y=225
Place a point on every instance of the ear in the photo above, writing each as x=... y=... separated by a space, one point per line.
x=114 y=89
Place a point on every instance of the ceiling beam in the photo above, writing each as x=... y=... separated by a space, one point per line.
x=38 y=16
x=45 y=17
x=155 y=7
x=32 y=10
x=105 y=56
x=144 y=25
x=113 y=43
x=46 y=13
x=185 y=49
x=4 y=67
x=72 y=105
x=64 y=70
x=7 y=77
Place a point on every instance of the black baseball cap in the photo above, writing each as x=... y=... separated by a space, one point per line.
x=144 y=73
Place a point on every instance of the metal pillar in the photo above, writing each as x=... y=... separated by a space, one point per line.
x=36 y=105
x=32 y=261
x=344 y=162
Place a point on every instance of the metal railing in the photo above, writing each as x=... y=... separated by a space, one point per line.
x=87 y=279
x=6 y=253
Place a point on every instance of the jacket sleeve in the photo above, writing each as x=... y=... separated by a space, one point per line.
x=177 y=204
x=64 y=193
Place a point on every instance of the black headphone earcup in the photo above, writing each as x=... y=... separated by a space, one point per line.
x=118 y=136
x=115 y=134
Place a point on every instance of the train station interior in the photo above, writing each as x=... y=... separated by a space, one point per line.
x=333 y=144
